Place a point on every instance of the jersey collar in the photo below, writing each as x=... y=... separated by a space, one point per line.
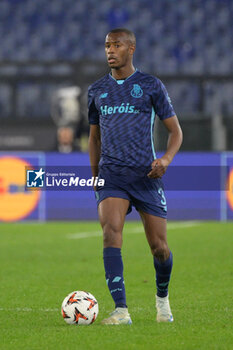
x=123 y=80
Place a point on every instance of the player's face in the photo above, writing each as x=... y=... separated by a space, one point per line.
x=119 y=50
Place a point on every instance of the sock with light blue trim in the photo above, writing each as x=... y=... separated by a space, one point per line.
x=113 y=265
x=163 y=274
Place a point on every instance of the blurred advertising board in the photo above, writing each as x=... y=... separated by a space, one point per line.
x=38 y=186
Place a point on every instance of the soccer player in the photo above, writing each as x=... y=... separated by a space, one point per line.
x=122 y=108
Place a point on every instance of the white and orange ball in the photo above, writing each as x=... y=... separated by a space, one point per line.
x=80 y=308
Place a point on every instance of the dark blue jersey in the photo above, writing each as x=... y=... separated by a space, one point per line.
x=125 y=111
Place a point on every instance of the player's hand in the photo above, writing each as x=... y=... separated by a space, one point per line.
x=158 y=168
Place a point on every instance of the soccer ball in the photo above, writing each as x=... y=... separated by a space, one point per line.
x=79 y=308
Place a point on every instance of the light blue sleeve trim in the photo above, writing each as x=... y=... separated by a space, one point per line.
x=152 y=132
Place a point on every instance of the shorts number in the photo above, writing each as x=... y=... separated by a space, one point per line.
x=163 y=200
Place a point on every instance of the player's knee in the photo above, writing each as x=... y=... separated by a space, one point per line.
x=161 y=251
x=112 y=236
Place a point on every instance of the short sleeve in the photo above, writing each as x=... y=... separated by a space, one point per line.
x=162 y=101
x=93 y=114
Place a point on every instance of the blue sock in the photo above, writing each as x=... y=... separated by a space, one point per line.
x=114 y=275
x=163 y=273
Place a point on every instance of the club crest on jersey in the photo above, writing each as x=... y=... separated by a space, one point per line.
x=136 y=91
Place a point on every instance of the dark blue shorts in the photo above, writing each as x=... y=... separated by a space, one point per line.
x=143 y=193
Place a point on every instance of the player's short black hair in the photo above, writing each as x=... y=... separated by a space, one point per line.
x=130 y=34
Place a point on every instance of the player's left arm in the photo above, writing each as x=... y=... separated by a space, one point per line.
x=175 y=138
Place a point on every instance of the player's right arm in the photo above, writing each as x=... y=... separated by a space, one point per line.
x=94 y=142
x=94 y=146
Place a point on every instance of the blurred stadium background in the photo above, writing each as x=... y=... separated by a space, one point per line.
x=51 y=51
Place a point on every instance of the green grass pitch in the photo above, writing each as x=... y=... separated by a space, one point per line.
x=41 y=263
